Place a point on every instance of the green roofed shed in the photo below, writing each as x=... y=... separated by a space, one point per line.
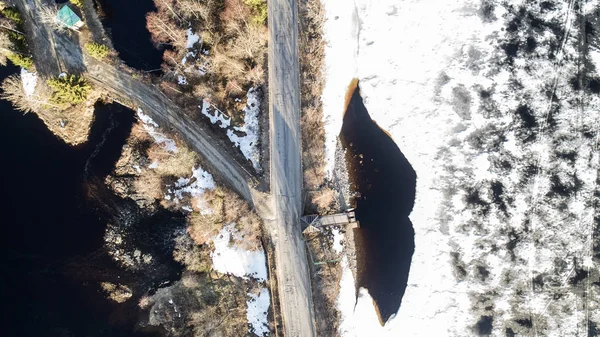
x=69 y=18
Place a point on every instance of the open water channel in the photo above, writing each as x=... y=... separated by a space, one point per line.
x=385 y=182
x=53 y=228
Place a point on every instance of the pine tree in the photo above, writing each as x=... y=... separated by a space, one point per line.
x=70 y=88
x=96 y=50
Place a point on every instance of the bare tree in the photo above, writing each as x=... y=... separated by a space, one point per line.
x=168 y=7
x=164 y=31
x=13 y=91
x=9 y=25
x=5 y=46
x=48 y=14
x=249 y=43
x=195 y=8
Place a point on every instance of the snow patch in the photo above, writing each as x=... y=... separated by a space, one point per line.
x=195 y=186
x=475 y=123
x=29 y=81
x=248 y=144
x=337 y=240
x=192 y=38
x=216 y=116
x=346 y=299
x=258 y=309
x=449 y=100
x=340 y=34
x=590 y=7
x=181 y=80
x=594 y=56
x=229 y=259
x=151 y=127
x=358 y=316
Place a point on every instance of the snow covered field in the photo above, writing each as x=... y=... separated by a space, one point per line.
x=496 y=106
x=228 y=258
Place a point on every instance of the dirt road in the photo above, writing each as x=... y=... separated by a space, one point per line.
x=53 y=52
x=57 y=52
x=286 y=170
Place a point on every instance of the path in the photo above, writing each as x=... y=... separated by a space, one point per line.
x=286 y=170
x=56 y=52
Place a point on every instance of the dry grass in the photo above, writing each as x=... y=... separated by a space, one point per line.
x=203 y=227
x=326 y=284
x=116 y=292
x=311 y=87
x=149 y=185
x=144 y=302
x=224 y=313
x=190 y=280
x=48 y=14
x=144 y=186
x=71 y=124
x=12 y=91
x=227 y=207
x=324 y=200
x=206 y=306
x=194 y=257
x=178 y=164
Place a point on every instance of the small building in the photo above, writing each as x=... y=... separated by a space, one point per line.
x=69 y=18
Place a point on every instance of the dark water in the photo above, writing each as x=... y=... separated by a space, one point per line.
x=52 y=233
x=386 y=182
x=125 y=22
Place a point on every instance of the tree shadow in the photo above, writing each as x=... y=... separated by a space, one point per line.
x=385 y=182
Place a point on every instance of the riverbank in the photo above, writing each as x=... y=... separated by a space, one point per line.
x=189 y=252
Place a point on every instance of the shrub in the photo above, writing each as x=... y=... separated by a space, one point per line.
x=195 y=258
x=69 y=89
x=48 y=14
x=117 y=292
x=78 y=3
x=178 y=164
x=260 y=10
x=149 y=186
x=18 y=41
x=14 y=25
x=20 y=60
x=96 y=50
x=13 y=14
x=203 y=227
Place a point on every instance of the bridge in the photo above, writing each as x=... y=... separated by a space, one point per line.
x=348 y=218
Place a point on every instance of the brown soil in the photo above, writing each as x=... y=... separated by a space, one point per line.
x=72 y=124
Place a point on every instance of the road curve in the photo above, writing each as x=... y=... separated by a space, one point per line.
x=286 y=170
x=56 y=52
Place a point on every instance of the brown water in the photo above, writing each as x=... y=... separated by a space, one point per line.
x=386 y=183
x=51 y=246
